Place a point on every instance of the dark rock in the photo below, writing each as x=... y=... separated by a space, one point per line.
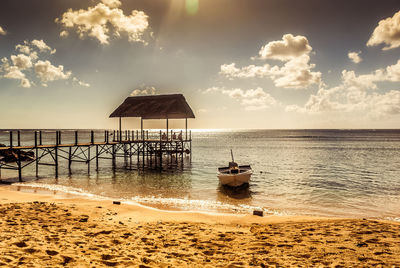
x=258 y=213
x=11 y=155
x=116 y=202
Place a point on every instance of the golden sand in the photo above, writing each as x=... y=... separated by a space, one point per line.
x=40 y=230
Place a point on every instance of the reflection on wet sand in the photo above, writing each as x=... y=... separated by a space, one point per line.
x=241 y=192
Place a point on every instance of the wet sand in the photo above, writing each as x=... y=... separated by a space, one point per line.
x=42 y=230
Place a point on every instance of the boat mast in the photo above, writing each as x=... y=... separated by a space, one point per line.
x=232 y=156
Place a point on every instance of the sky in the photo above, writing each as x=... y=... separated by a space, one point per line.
x=259 y=64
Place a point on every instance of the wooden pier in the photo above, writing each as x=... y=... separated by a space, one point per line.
x=150 y=150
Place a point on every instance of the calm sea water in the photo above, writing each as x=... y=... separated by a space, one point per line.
x=345 y=173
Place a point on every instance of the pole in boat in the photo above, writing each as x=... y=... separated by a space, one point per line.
x=232 y=156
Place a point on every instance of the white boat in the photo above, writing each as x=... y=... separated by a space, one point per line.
x=234 y=175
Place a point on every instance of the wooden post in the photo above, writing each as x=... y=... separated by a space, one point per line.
x=190 y=146
x=113 y=135
x=91 y=136
x=59 y=137
x=36 y=155
x=69 y=159
x=130 y=155
x=167 y=128
x=143 y=145
x=107 y=136
x=76 y=137
x=11 y=139
x=113 y=156
x=40 y=137
x=19 y=138
x=19 y=165
x=56 y=155
x=186 y=128
x=176 y=152
x=120 y=129
x=97 y=158
x=160 y=152
x=88 y=161
x=141 y=128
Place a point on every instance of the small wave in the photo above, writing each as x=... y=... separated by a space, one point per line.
x=61 y=188
x=397 y=219
x=179 y=203
x=204 y=205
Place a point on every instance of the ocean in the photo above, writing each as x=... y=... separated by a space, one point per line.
x=336 y=173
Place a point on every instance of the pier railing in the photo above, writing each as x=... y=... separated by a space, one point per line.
x=152 y=149
x=33 y=138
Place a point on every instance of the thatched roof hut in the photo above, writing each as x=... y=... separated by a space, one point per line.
x=173 y=106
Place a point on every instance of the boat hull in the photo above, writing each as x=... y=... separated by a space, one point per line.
x=235 y=180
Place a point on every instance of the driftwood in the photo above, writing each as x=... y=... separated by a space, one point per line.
x=11 y=155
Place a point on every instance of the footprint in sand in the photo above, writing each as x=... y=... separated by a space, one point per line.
x=51 y=252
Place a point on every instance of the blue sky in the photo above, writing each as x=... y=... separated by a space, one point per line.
x=240 y=64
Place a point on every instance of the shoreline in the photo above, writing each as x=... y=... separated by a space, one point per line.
x=52 y=230
x=147 y=213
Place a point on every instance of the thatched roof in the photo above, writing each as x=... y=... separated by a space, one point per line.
x=172 y=106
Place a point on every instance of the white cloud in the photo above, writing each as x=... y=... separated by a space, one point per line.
x=202 y=111
x=81 y=83
x=2 y=31
x=288 y=48
x=251 y=99
x=355 y=56
x=211 y=89
x=143 y=91
x=357 y=93
x=21 y=61
x=42 y=46
x=14 y=73
x=368 y=81
x=111 y=3
x=251 y=71
x=393 y=72
x=47 y=72
x=387 y=32
x=64 y=34
x=28 y=61
x=296 y=71
x=99 y=20
x=29 y=48
x=23 y=48
x=362 y=82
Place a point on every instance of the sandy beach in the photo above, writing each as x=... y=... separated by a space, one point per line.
x=45 y=230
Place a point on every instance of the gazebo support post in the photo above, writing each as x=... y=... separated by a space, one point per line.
x=120 y=128
x=186 y=128
x=167 y=128
x=141 y=128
